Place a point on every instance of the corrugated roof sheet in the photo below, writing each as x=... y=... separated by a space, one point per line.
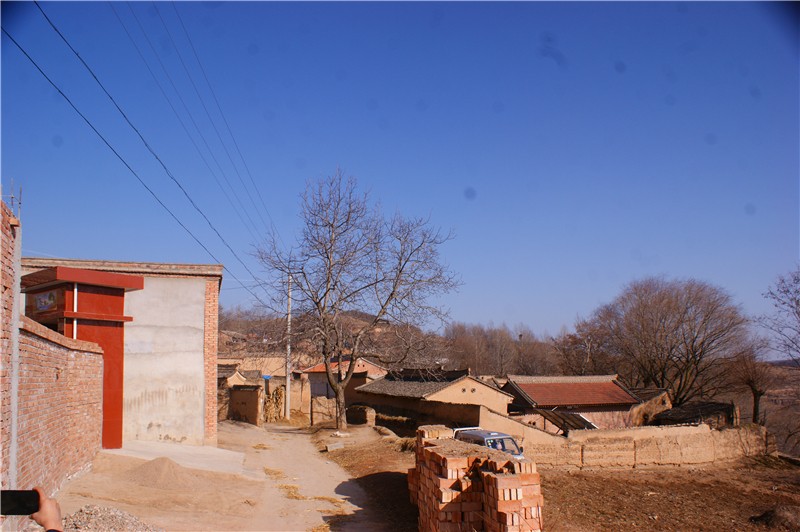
x=566 y=421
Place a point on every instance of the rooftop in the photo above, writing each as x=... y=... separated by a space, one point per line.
x=570 y=391
x=30 y=264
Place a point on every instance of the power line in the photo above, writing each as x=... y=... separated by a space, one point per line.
x=208 y=114
x=183 y=125
x=191 y=117
x=225 y=120
x=147 y=145
x=128 y=166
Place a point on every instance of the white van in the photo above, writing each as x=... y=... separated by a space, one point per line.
x=493 y=440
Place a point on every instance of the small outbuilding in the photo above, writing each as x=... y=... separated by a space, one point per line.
x=167 y=371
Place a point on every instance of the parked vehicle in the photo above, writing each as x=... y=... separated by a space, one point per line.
x=493 y=440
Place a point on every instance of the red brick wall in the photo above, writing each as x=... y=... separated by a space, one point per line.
x=59 y=392
x=7 y=275
x=60 y=406
x=210 y=359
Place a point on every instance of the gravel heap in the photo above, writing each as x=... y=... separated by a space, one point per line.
x=99 y=518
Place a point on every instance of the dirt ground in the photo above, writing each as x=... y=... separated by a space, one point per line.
x=287 y=484
x=688 y=498
x=291 y=482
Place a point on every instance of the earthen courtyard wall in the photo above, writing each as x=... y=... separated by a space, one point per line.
x=615 y=448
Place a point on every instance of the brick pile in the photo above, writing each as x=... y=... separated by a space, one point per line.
x=463 y=487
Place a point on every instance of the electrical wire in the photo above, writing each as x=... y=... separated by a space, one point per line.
x=149 y=148
x=222 y=114
x=124 y=162
x=191 y=117
x=238 y=211
x=208 y=114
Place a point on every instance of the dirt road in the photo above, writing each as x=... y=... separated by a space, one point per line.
x=284 y=484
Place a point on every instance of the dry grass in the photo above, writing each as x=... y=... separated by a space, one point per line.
x=399 y=419
x=291 y=491
x=405 y=445
x=274 y=473
x=261 y=446
x=332 y=500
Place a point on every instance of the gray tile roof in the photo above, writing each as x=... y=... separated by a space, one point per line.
x=414 y=383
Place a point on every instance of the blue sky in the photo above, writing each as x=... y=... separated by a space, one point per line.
x=571 y=147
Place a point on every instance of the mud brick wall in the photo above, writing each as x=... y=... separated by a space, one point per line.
x=459 y=486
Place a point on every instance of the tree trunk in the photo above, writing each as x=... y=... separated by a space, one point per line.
x=341 y=410
x=757 y=407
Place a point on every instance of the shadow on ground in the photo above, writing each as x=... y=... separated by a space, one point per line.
x=388 y=506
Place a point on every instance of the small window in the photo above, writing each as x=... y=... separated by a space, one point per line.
x=463 y=390
x=473 y=390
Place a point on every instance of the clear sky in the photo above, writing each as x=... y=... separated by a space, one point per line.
x=572 y=147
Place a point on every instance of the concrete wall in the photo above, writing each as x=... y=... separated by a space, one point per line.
x=164 y=361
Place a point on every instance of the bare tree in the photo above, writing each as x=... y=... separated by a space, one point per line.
x=586 y=351
x=748 y=371
x=535 y=357
x=673 y=334
x=784 y=323
x=350 y=257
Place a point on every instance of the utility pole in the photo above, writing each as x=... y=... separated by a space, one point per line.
x=287 y=414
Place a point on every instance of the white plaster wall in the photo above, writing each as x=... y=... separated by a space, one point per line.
x=164 y=388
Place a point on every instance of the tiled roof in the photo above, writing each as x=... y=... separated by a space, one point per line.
x=361 y=365
x=694 y=412
x=157 y=268
x=252 y=375
x=645 y=394
x=415 y=383
x=561 y=378
x=226 y=370
x=550 y=392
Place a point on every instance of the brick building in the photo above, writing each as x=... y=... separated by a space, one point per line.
x=170 y=348
x=51 y=390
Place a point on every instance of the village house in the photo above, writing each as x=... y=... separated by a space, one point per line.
x=402 y=391
x=158 y=325
x=365 y=371
x=558 y=404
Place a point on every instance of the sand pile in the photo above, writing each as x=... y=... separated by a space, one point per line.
x=163 y=473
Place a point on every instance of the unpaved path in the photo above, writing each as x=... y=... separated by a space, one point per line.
x=299 y=489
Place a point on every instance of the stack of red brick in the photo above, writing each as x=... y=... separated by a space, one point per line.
x=462 y=487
